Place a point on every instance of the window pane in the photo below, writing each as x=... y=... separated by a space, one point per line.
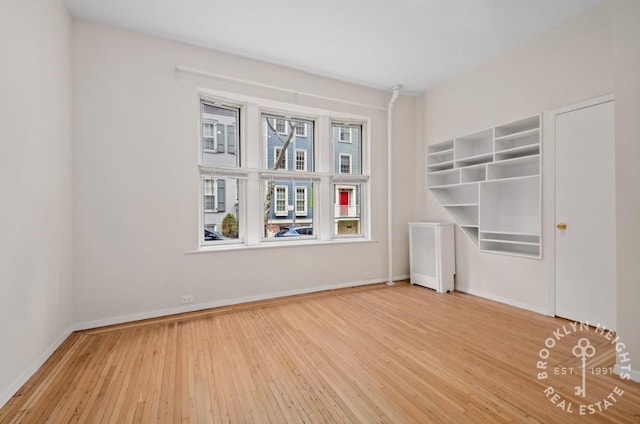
x=347 y=156
x=301 y=160
x=219 y=135
x=298 y=147
x=288 y=209
x=348 y=219
x=220 y=220
x=301 y=129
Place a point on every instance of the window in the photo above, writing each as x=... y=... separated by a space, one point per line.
x=231 y=139
x=208 y=135
x=301 y=201
x=281 y=200
x=349 y=189
x=345 y=164
x=209 y=195
x=281 y=126
x=301 y=160
x=283 y=195
x=283 y=163
x=301 y=129
x=220 y=138
x=220 y=188
x=344 y=134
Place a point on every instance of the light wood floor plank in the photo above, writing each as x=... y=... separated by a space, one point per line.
x=376 y=354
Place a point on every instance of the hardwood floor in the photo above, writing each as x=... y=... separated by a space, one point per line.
x=399 y=354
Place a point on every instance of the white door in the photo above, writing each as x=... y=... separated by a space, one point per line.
x=585 y=260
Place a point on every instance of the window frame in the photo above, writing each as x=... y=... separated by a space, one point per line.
x=216 y=173
x=285 y=123
x=251 y=172
x=350 y=140
x=285 y=166
x=304 y=160
x=214 y=189
x=304 y=129
x=350 y=157
x=284 y=211
x=214 y=137
x=298 y=212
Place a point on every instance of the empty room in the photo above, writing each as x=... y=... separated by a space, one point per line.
x=320 y=211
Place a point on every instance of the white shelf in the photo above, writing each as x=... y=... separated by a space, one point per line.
x=519 y=167
x=474 y=160
x=439 y=147
x=491 y=187
x=440 y=166
x=472 y=174
x=473 y=145
x=447 y=178
x=526 y=251
x=517 y=135
x=510 y=242
x=463 y=215
x=517 y=152
x=440 y=153
x=511 y=233
x=471 y=231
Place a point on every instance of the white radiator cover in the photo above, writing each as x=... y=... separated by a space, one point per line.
x=432 y=255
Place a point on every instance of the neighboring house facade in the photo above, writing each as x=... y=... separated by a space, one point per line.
x=291 y=201
x=347 y=157
x=219 y=148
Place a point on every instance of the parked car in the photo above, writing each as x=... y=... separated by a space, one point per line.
x=213 y=235
x=305 y=230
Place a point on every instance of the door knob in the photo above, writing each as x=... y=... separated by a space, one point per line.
x=561 y=226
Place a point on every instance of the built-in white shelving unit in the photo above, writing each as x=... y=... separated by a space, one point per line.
x=489 y=183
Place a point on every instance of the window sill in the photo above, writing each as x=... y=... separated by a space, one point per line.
x=277 y=245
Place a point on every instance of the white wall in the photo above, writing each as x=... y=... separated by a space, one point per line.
x=36 y=298
x=136 y=180
x=560 y=67
x=626 y=37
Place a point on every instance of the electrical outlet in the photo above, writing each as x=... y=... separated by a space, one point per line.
x=187 y=298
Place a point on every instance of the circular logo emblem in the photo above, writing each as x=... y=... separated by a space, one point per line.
x=576 y=366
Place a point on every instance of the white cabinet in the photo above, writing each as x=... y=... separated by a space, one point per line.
x=489 y=183
x=432 y=255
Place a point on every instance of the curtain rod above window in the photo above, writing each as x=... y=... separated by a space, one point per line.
x=193 y=71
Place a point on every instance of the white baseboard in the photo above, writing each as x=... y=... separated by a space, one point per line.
x=216 y=304
x=539 y=309
x=34 y=367
x=634 y=375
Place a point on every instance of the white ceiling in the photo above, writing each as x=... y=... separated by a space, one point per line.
x=378 y=43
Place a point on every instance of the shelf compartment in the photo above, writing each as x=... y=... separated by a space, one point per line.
x=510 y=168
x=456 y=195
x=517 y=140
x=440 y=147
x=474 y=145
x=516 y=128
x=510 y=249
x=511 y=206
x=444 y=178
x=471 y=231
x=512 y=238
x=518 y=152
x=474 y=160
x=473 y=174
x=464 y=215
x=442 y=166
x=440 y=157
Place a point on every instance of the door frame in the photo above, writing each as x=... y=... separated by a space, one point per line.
x=549 y=190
